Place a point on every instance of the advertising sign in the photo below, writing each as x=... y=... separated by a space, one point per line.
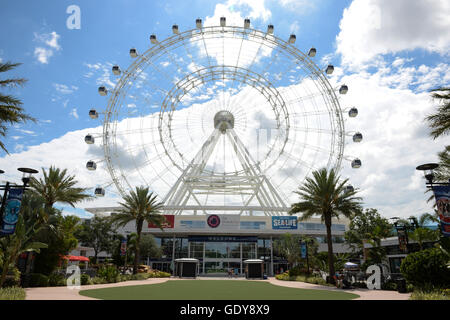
x=303 y=250
x=284 y=223
x=170 y=221
x=442 y=195
x=192 y=224
x=123 y=247
x=223 y=221
x=11 y=211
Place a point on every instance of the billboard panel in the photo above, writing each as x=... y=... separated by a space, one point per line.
x=284 y=223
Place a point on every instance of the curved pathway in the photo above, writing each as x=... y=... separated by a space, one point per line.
x=364 y=294
x=64 y=293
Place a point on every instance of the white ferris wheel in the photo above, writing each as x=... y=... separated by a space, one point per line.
x=224 y=119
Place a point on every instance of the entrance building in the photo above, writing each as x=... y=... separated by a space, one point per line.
x=223 y=242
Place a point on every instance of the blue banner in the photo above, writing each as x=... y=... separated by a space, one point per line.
x=303 y=250
x=11 y=210
x=284 y=223
x=442 y=195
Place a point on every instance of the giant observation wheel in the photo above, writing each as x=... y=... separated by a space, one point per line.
x=221 y=118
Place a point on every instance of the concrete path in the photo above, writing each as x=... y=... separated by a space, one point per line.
x=364 y=294
x=63 y=293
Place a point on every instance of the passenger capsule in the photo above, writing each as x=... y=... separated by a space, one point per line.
x=247 y=23
x=102 y=91
x=356 y=164
x=133 y=53
x=330 y=69
x=116 y=70
x=198 y=23
x=175 y=29
x=99 y=192
x=89 y=139
x=349 y=188
x=91 y=165
x=93 y=114
x=357 y=137
x=343 y=89
x=353 y=113
x=270 y=29
x=223 y=21
x=292 y=38
x=153 y=39
x=312 y=52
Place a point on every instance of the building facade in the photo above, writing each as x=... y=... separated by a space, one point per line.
x=224 y=242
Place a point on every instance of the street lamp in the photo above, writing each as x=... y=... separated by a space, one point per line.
x=428 y=171
x=11 y=201
x=441 y=192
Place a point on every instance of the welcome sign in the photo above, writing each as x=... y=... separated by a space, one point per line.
x=284 y=223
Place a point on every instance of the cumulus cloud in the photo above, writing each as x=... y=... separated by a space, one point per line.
x=370 y=28
x=47 y=44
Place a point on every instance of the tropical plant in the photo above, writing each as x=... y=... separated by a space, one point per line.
x=325 y=195
x=442 y=173
x=11 y=111
x=288 y=246
x=139 y=205
x=58 y=186
x=368 y=227
x=439 y=122
x=59 y=234
x=23 y=240
x=422 y=233
x=97 y=233
x=426 y=269
x=149 y=248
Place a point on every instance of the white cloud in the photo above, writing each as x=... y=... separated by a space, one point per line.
x=48 y=43
x=74 y=113
x=43 y=55
x=370 y=28
x=64 y=89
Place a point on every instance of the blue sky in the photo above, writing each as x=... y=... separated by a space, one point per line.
x=377 y=47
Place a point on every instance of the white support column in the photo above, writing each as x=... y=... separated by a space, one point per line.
x=271 y=256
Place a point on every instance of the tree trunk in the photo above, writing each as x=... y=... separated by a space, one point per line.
x=138 y=249
x=330 y=248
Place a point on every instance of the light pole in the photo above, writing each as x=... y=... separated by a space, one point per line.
x=11 y=201
x=441 y=192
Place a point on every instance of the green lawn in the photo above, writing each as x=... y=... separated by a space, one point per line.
x=214 y=290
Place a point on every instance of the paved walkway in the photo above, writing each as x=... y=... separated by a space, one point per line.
x=364 y=294
x=63 y=293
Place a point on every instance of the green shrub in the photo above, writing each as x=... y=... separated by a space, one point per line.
x=159 y=274
x=38 y=280
x=389 y=285
x=426 y=269
x=98 y=280
x=85 y=279
x=12 y=278
x=56 y=280
x=295 y=271
x=13 y=293
x=109 y=273
x=429 y=295
x=140 y=276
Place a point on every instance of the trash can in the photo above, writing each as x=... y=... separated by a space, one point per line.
x=254 y=269
x=186 y=268
x=401 y=286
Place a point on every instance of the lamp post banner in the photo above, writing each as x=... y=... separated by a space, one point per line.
x=442 y=195
x=11 y=211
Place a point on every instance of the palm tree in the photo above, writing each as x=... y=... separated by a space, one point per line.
x=422 y=233
x=326 y=196
x=57 y=186
x=440 y=121
x=11 y=111
x=139 y=205
x=30 y=222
